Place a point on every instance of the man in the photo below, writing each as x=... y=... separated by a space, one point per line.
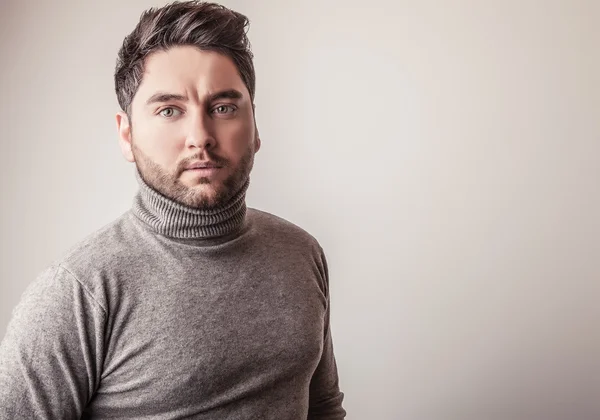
x=189 y=305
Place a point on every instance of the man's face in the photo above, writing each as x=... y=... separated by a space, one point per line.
x=192 y=132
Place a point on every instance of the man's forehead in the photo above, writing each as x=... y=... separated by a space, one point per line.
x=183 y=68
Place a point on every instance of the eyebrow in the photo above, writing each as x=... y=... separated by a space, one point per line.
x=226 y=94
x=167 y=97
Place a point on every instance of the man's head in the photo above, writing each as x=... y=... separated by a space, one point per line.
x=185 y=83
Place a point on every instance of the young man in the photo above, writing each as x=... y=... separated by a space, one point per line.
x=189 y=305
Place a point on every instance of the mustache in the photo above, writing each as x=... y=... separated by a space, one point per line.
x=204 y=156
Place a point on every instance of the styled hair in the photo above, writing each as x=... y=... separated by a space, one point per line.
x=207 y=26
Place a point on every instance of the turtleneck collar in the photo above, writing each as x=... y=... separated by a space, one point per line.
x=169 y=218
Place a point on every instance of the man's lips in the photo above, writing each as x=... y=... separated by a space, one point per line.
x=204 y=169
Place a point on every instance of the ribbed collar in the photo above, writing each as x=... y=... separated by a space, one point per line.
x=169 y=218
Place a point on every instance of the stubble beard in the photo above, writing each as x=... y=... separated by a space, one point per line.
x=169 y=184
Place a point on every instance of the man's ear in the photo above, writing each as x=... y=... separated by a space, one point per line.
x=257 y=141
x=124 y=129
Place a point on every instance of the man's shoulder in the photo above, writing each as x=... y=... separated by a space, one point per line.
x=101 y=246
x=279 y=229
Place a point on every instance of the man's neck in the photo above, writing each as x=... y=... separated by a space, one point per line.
x=172 y=219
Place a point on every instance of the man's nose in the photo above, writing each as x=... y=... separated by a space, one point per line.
x=200 y=134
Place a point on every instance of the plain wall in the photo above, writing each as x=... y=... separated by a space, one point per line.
x=446 y=154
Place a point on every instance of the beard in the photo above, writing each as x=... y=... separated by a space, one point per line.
x=168 y=183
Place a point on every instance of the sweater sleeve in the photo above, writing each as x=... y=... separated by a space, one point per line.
x=51 y=355
x=325 y=399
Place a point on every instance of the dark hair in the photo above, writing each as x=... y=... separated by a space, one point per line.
x=207 y=26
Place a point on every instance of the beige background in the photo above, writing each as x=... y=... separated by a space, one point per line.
x=445 y=153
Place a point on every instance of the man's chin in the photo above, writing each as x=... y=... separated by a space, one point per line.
x=199 y=183
x=203 y=196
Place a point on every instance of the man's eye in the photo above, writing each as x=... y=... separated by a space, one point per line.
x=223 y=109
x=169 y=112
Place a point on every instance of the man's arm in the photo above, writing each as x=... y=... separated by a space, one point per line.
x=325 y=399
x=50 y=358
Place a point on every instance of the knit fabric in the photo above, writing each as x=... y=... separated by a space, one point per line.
x=171 y=312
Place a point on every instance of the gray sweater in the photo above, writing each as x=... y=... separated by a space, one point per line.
x=171 y=312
